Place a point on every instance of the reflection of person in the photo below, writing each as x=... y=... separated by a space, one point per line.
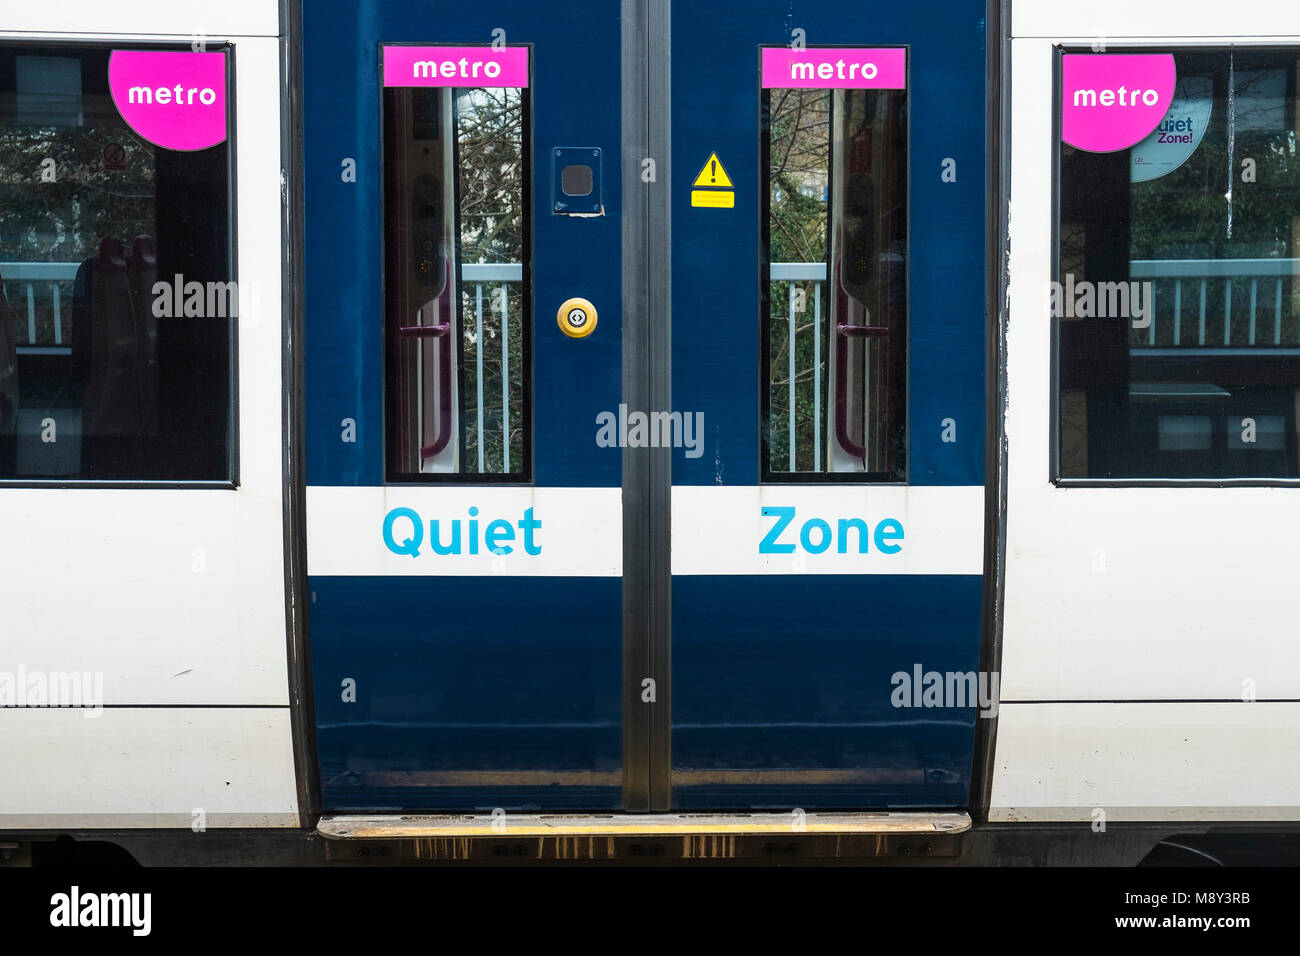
x=8 y=365
x=115 y=340
x=143 y=272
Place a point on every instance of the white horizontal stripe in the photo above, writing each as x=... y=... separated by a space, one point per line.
x=580 y=532
x=718 y=530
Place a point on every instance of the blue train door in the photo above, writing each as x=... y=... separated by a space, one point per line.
x=462 y=333
x=643 y=403
x=828 y=331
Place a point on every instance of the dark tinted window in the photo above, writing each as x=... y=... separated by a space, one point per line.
x=1176 y=302
x=104 y=373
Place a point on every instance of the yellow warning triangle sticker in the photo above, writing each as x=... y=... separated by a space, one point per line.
x=713 y=176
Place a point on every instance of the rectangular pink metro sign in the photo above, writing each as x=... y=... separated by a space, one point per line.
x=456 y=66
x=840 y=68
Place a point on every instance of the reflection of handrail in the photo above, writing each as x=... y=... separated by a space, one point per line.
x=845 y=331
x=443 y=435
x=491 y=271
x=1271 y=274
x=805 y=271
x=1211 y=268
x=438 y=330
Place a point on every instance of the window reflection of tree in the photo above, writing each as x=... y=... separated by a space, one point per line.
x=490 y=133
x=798 y=179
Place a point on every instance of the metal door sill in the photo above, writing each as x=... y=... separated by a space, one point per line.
x=650 y=837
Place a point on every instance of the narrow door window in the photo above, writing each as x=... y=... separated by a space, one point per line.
x=835 y=289
x=456 y=190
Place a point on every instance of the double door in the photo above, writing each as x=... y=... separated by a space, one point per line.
x=644 y=400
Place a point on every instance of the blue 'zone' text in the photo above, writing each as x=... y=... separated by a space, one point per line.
x=815 y=535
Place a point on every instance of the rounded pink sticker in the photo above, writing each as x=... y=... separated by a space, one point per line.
x=1111 y=101
x=174 y=100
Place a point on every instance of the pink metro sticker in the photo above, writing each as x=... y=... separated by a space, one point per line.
x=835 y=68
x=1111 y=101
x=456 y=66
x=175 y=100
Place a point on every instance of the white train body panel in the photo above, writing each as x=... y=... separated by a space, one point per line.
x=1138 y=620
x=175 y=598
x=134 y=767
x=1152 y=761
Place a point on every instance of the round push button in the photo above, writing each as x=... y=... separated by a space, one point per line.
x=576 y=318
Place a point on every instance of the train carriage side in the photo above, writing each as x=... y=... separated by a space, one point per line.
x=143 y=651
x=1153 y=379
x=667 y=449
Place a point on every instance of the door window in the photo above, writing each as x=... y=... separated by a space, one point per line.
x=456 y=188
x=834 y=300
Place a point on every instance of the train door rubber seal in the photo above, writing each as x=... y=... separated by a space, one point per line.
x=997 y=132
x=647 y=383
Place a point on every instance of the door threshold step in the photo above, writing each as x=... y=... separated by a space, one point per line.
x=642 y=825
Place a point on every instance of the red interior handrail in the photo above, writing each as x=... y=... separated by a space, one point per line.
x=438 y=330
x=844 y=331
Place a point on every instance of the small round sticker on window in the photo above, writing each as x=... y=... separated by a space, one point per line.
x=174 y=100
x=1180 y=131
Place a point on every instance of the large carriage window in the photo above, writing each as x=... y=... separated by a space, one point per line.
x=1176 y=297
x=834 y=297
x=117 y=308
x=457 y=298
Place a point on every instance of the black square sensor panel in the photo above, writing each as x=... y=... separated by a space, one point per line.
x=575 y=181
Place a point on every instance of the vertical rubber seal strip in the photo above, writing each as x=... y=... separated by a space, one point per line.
x=302 y=714
x=997 y=251
x=647 y=385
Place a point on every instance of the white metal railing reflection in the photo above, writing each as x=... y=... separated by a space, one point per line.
x=42 y=275
x=40 y=283
x=1199 y=276
x=797 y=273
x=497 y=277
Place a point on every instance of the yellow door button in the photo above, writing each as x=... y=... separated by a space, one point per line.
x=577 y=318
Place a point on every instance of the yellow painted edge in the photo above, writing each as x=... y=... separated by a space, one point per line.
x=638 y=830
x=713 y=198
